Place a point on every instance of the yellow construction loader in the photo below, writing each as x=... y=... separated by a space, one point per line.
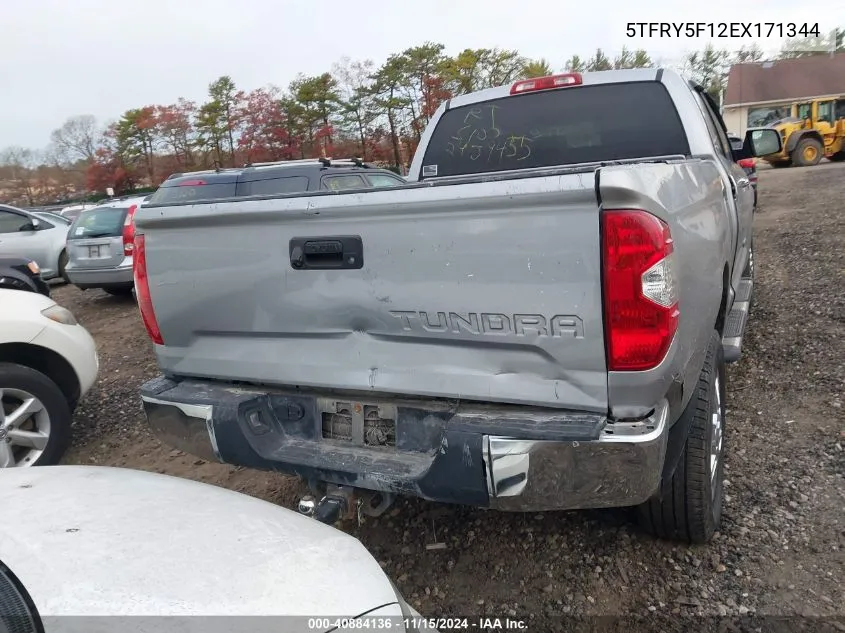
x=815 y=130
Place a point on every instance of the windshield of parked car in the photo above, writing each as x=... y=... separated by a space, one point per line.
x=385 y=180
x=556 y=127
x=52 y=218
x=99 y=222
x=189 y=189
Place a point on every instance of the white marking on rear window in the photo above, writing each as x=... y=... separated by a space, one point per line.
x=429 y=170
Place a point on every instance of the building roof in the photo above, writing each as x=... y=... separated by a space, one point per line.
x=786 y=79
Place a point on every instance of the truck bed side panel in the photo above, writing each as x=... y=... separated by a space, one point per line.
x=481 y=291
x=689 y=196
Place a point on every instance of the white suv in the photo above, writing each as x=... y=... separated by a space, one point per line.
x=47 y=363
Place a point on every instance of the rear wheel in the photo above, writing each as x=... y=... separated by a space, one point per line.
x=748 y=273
x=119 y=292
x=10 y=283
x=62 y=265
x=689 y=506
x=35 y=418
x=808 y=152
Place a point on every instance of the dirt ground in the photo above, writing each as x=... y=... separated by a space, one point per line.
x=780 y=551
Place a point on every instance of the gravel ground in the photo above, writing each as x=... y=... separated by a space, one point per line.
x=780 y=551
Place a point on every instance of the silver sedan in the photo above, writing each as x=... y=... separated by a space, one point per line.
x=38 y=236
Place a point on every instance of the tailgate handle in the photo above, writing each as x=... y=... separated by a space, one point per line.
x=336 y=252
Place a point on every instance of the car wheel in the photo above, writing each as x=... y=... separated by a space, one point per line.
x=35 y=418
x=748 y=273
x=119 y=292
x=689 y=507
x=10 y=283
x=808 y=152
x=63 y=259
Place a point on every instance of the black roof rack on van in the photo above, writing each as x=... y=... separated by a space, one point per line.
x=218 y=170
x=123 y=197
x=325 y=162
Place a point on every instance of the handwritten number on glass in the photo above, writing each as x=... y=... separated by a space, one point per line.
x=474 y=113
x=493 y=127
x=480 y=124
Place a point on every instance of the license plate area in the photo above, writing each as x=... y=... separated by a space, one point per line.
x=358 y=423
x=97 y=251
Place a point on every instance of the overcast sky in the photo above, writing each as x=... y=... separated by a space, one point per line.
x=60 y=58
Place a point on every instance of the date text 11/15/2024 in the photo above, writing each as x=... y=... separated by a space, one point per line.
x=483 y=624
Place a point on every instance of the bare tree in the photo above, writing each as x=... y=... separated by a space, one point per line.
x=77 y=138
x=19 y=165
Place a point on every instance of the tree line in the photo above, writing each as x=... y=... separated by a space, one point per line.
x=377 y=113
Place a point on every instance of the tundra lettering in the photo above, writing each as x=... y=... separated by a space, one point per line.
x=491 y=323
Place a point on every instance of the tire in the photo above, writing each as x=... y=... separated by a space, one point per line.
x=10 y=283
x=688 y=507
x=16 y=380
x=800 y=155
x=63 y=259
x=119 y=292
x=748 y=272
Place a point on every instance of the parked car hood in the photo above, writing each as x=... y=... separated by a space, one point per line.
x=14 y=302
x=88 y=540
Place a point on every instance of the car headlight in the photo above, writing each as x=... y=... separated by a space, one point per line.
x=60 y=315
x=33 y=268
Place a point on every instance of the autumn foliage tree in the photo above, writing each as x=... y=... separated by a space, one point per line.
x=358 y=108
x=264 y=134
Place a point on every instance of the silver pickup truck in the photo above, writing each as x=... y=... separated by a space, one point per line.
x=538 y=320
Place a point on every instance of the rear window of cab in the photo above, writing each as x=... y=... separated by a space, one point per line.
x=564 y=126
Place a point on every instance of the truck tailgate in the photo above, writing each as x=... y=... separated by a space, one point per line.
x=480 y=291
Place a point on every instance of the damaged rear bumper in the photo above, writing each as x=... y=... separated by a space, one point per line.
x=509 y=458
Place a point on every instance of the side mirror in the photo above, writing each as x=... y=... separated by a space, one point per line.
x=761 y=142
x=33 y=225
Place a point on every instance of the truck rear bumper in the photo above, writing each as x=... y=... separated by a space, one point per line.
x=508 y=458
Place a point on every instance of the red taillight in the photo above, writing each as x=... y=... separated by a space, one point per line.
x=129 y=230
x=191 y=183
x=640 y=293
x=546 y=83
x=142 y=291
x=746 y=163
